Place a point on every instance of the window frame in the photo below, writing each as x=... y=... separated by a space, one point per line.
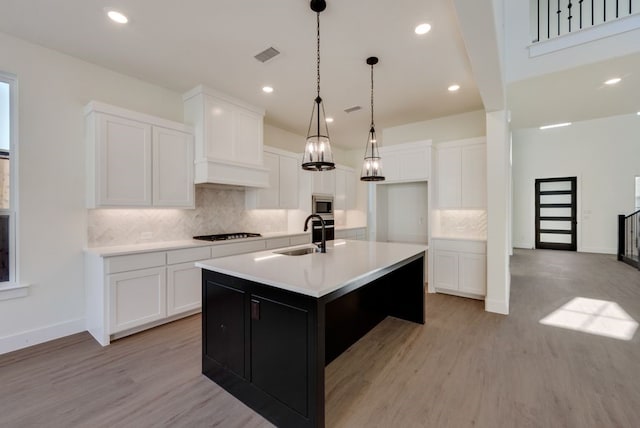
x=12 y=288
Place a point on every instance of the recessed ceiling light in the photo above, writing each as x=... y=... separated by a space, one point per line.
x=556 y=125
x=329 y=120
x=453 y=88
x=423 y=29
x=638 y=113
x=613 y=81
x=267 y=89
x=118 y=17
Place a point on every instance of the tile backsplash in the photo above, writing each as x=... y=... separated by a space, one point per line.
x=218 y=210
x=464 y=224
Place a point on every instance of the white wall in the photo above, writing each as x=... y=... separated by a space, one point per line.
x=52 y=91
x=448 y=128
x=520 y=66
x=605 y=156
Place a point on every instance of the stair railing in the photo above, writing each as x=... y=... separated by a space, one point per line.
x=628 y=238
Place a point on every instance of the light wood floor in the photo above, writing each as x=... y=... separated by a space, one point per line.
x=464 y=368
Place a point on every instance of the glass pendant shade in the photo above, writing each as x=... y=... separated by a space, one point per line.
x=372 y=165
x=317 y=150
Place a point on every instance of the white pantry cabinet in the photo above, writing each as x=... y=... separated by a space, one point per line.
x=406 y=162
x=229 y=138
x=282 y=192
x=461 y=174
x=136 y=160
x=460 y=267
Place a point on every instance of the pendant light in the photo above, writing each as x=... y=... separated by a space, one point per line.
x=317 y=151
x=372 y=166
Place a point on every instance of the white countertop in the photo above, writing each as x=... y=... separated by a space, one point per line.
x=121 y=250
x=315 y=274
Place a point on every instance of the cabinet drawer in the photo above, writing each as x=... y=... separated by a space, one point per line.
x=188 y=255
x=237 y=248
x=134 y=262
x=300 y=239
x=474 y=247
x=277 y=243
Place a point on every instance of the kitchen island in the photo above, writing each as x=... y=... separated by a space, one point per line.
x=271 y=321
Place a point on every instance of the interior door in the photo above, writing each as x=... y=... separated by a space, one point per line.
x=556 y=213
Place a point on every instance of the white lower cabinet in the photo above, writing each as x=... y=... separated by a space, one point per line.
x=132 y=292
x=137 y=298
x=359 y=234
x=460 y=267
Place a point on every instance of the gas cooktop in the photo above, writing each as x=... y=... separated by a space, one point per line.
x=227 y=236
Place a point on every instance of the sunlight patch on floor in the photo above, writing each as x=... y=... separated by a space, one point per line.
x=593 y=316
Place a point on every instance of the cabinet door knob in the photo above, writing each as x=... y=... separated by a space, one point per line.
x=255 y=310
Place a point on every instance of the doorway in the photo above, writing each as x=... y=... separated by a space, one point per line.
x=556 y=213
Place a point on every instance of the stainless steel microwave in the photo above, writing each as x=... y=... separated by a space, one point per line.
x=322 y=205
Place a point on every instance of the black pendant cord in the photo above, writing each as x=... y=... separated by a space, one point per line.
x=372 y=125
x=318 y=99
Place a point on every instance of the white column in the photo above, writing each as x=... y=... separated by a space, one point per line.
x=498 y=212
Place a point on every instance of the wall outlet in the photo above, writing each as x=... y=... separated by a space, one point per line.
x=146 y=235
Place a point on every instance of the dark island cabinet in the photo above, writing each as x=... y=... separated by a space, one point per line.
x=259 y=344
x=225 y=325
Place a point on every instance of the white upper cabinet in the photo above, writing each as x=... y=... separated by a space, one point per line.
x=282 y=192
x=406 y=162
x=136 y=160
x=474 y=176
x=172 y=168
x=229 y=139
x=345 y=196
x=289 y=184
x=461 y=174
x=323 y=182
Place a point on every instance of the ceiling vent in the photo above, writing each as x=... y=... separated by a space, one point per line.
x=352 y=109
x=267 y=54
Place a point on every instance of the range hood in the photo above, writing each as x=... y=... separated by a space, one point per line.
x=228 y=139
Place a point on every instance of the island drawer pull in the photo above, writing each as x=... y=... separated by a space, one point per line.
x=255 y=310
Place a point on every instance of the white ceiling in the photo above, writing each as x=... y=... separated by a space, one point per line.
x=180 y=44
x=576 y=94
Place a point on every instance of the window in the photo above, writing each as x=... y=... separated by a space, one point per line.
x=7 y=174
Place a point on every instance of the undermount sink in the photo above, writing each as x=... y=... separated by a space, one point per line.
x=299 y=251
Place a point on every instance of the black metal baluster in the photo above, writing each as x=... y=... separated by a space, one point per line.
x=604 y=11
x=617 y=8
x=592 y=12
x=538 y=39
x=629 y=7
x=558 y=13
x=570 y=16
x=548 y=19
x=580 y=3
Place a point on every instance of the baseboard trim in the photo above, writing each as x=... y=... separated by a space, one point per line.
x=598 y=250
x=496 y=306
x=523 y=245
x=41 y=335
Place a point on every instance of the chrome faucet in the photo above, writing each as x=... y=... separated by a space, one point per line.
x=323 y=243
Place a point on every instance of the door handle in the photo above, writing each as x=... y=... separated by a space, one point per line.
x=255 y=310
